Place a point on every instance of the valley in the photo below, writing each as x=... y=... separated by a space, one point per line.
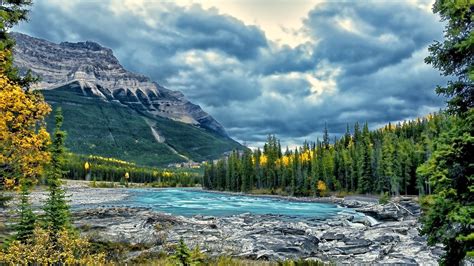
x=355 y=120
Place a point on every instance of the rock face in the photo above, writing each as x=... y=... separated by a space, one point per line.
x=99 y=73
x=343 y=239
x=265 y=237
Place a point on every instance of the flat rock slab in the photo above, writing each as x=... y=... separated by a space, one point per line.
x=265 y=237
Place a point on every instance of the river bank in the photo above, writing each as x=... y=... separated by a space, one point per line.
x=341 y=239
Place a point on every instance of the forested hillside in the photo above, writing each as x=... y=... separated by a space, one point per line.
x=110 y=129
x=363 y=161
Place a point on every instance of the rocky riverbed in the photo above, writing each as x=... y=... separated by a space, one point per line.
x=391 y=238
x=345 y=239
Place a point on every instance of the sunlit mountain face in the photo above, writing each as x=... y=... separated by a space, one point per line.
x=266 y=67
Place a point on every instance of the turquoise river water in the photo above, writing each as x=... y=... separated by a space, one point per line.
x=188 y=202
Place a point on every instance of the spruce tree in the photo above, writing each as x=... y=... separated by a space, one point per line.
x=248 y=173
x=57 y=216
x=365 y=177
x=182 y=254
x=27 y=219
x=451 y=167
x=326 y=137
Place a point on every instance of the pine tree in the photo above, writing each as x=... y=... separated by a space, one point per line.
x=347 y=137
x=365 y=177
x=57 y=216
x=23 y=136
x=25 y=226
x=450 y=168
x=388 y=151
x=11 y=13
x=326 y=137
x=258 y=168
x=248 y=173
x=182 y=254
x=378 y=167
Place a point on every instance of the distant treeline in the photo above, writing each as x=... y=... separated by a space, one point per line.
x=114 y=170
x=362 y=161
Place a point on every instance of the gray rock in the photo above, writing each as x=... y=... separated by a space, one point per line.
x=330 y=236
x=266 y=237
x=96 y=72
x=290 y=231
x=386 y=239
x=357 y=242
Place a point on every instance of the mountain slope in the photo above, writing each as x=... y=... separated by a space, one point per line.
x=96 y=68
x=115 y=113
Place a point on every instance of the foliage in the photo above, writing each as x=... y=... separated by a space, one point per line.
x=449 y=218
x=197 y=256
x=12 y=12
x=106 y=170
x=382 y=160
x=454 y=56
x=40 y=250
x=23 y=137
x=57 y=216
x=26 y=222
x=384 y=198
x=182 y=254
x=322 y=188
x=301 y=262
x=111 y=130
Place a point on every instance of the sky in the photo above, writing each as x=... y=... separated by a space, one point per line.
x=284 y=67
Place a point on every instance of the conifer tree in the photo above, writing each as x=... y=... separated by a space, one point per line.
x=23 y=136
x=182 y=254
x=248 y=172
x=57 y=216
x=365 y=177
x=326 y=137
x=451 y=167
x=25 y=226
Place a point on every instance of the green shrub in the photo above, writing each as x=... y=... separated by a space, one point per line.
x=384 y=198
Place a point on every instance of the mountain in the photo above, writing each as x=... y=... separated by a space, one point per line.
x=112 y=112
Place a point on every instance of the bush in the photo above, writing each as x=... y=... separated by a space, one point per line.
x=4 y=199
x=39 y=250
x=321 y=188
x=301 y=262
x=384 y=198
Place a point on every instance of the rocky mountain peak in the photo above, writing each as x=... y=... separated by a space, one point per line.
x=94 y=67
x=88 y=45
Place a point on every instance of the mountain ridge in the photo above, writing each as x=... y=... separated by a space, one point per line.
x=95 y=67
x=112 y=112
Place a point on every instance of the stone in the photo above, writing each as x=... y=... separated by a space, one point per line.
x=386 y=239
x=264 y=237
x=290 y=231
x=358 y=242
x=330 y=236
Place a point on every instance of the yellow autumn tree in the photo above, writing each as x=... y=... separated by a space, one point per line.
x=321 y=187
x=23 y=136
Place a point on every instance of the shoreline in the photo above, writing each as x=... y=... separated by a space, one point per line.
x=396 y=209
x=339 y=240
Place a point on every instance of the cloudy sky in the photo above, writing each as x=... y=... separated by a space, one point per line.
x=267 y=66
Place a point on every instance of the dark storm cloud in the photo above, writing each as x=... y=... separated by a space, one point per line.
x=173 y=29
x=364 y=62
x=286 y=59
x=366 y=36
